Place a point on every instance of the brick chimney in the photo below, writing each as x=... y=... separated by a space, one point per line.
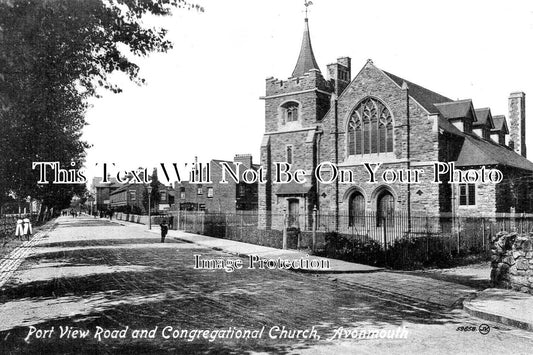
x=245 y=159
x=517 y=122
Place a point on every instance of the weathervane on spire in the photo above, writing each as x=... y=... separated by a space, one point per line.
x=307 y=4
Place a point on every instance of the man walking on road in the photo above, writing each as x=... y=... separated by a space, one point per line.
x=164 y=230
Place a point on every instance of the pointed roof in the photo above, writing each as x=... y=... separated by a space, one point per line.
x=484 y=118
x=423 y=96
x=306 y=59
x=500 y=124
x=457 y=109
x=476 y=151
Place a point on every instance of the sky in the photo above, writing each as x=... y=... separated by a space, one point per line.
x=202 y=98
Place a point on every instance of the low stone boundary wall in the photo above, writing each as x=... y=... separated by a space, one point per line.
x=512 y=261
x=134 y=218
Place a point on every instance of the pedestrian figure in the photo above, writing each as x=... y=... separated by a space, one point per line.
x=27 y=228
x=19 y=229
x=164 y=230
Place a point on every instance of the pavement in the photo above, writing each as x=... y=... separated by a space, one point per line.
x=503 y=306
x=11 y=262
x=245 y=250
x=496 y=305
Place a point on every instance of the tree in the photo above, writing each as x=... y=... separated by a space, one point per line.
x=54 y=55
x=155 y=196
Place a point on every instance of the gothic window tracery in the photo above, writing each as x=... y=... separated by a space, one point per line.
x=370 y=128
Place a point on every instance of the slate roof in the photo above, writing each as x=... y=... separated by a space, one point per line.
x=306 y=59
x=500 y=123
x=483 y=117
x=456 y=109
x=477 y=151
x=120 y=189
x=219 y=161
x=423 y=96
x=112 y=182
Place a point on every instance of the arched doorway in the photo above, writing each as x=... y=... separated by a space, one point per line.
x=356 y=209
x=385 y=207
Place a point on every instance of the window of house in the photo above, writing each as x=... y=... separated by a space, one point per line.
x=467 y=194
x=163 y=196
x=242 y=190
x=209 y=192
x=290 y=112
x=132 y=195
x=199 y=190
x=182 y=193
x=289 y=154
x=370 y=129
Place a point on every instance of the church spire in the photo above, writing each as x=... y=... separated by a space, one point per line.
x=306 y=59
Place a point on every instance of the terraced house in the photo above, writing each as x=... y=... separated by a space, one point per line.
x=378 y=117
x=227 y=197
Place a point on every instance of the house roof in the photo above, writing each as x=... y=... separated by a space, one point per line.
x=120 y=189
x=484 y=117
x=500 y=124
x=477 y=151
x=220 y=161
x=423 y=96
x=306 y=59
x=112 y=182
x=456 y=109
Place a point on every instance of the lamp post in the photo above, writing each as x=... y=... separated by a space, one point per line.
x=149 y=189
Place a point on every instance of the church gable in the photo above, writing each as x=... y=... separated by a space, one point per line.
x=372 y=120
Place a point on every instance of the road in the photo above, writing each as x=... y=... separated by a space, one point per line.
x=128 y=293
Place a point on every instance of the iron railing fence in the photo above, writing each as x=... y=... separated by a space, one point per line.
x=397 y=239
x=466 y=231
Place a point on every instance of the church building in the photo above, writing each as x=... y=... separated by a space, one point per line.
x=377 y=117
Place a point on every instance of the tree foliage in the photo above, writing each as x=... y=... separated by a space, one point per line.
x=155 y=196
x=54 y=55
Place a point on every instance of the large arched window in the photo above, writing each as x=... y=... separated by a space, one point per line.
x=369 y=128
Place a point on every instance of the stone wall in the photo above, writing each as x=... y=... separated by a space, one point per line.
x=512 y=262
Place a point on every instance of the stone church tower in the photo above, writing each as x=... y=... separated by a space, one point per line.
x=294 y=109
